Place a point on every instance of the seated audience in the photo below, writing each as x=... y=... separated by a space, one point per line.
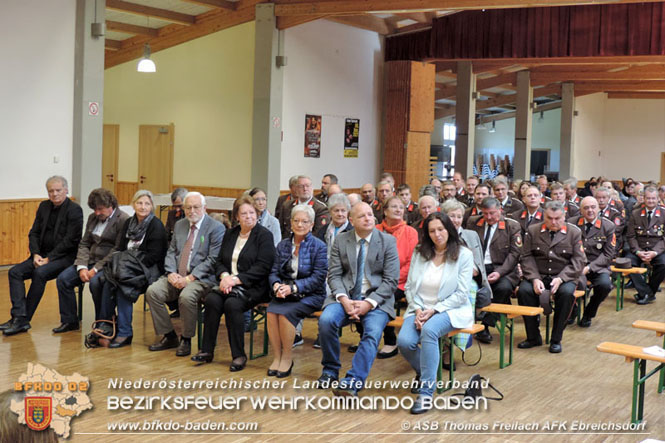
x=482 y=191
x=570 y=188
x=265 y=219
x=326 y=181
x=532 y=213
x=292 y=195
x=437 y=291
x=411 y=213
x=304 y=196
x=175 y=213
x=297 y=281
x=243 y=265
x=557 y=193
x=508 y=204
x=53 y=241
x=384 y=190
x=102 y=233
x=426 y=205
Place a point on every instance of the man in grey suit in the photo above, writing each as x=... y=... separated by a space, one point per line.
x=189 y=267
x=99 y=242
x=362 y=275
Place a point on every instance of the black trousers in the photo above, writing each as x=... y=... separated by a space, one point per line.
x=25 y=306
x=564 y=300
x=657 y=276
x=216 y=305
x=602 y=286
x=502 y=290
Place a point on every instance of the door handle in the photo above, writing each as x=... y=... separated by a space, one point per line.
x=110 y=177
x=142 y=178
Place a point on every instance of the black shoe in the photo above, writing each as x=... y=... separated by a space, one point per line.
x=202 y=357
x=585 y=322
x=416 y=388
x=184 y=348
x=175 y=314
x=272 y=372
x=325 y=381
x=352 y=349
x=390 y=354
x=167 y=342
x=17 y=327
x=555 y=348
x=345 y=392
x=64 y=327
x=297 y=340
x=284 y=374
x=484 y=336
x=645 y=300
x=526 y=344
x=7 y=324
x=446 y=366
x=317 y=343
x=418 y=406
x=238 y=364
x=119 y=342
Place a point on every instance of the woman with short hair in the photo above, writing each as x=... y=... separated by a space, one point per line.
x=266 y=219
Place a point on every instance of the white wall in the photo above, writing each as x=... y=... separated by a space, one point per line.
x=589 y=133
x=36 y=94
x=335 y=71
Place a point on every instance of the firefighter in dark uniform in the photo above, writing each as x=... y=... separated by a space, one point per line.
x=481 y=192
x=508 y=204
x=645 y=239
x=600 y=248
x=304 y=194
x=532 y=213
x=613 y=214
x=293 y=182
x=326 y=181
x=552 y=259
x=501 y=240
x=411 y=213
x=558 y=193
x=384 y=190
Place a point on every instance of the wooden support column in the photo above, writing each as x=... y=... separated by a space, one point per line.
x=566 y=153
x=465 y=118
x=409 y=121
x=523 y=120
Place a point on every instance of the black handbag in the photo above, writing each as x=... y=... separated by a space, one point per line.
x=291 y=297
x=474 y=389
x=238 y=292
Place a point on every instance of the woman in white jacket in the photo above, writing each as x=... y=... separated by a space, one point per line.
x=437 y=291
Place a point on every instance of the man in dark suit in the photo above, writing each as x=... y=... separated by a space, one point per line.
x=600 y=247
x=53 y=241
x=552 y=259
x=645 y=239
x=99 y=242
x=613 y=214
x=189 y=266
x=326 y=181
x=304 y=196
x=363 y=274
x=509 y=205
x=558 y=193
x=532 y=213
x=501 y=240
x=481 y=192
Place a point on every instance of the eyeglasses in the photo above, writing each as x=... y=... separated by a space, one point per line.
x=192 y=208
x=300 y=222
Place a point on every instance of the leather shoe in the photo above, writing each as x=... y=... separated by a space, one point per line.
x=17 y=327
x=184 y=348
x=418 y=406
x=284 y=374
x=7 y=324
x=446 y=366
x=484 y=336
x=238 y=364
x=390 y=354
x=416 y=389
x=64 y=327
x=325 y=381
x=165 y=343
x=119 y=342
x=645 y=300
x=202 y=357
x=345 y=392
x=526 y=344
x=352 y=349
x=585 y=322
x=555 y=348
x=272 y=372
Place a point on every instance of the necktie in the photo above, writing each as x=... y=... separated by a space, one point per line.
x=186 y=252
x=360 y=272
x=529 y=220
x=487 y=238
x=649 y=217
x=588 y=228
x=552 y=235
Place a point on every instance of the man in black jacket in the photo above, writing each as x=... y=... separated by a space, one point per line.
x=53 y=240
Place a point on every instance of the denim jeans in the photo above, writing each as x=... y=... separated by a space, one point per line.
x=333 y=318
x=424 y=361
x=112 y=299
x=67 y=281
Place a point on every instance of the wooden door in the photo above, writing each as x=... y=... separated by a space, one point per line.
x=156 y=158
x=110 y=143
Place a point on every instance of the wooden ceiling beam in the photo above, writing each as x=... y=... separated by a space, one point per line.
x=365 y=21
x=112 y=45
x=638 y=85
x=222 y=4
x=511 y=114
x=290 y=22
x=131 y=29
x=149 y=11
x=649 y=72
x=493 y=82
x=640 y=95
x=487 y=63
x=420 y=17
x=445 y=91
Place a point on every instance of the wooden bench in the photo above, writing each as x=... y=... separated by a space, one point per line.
x=448 y=341
x=507 y=314
x=636 y=355
x=578 y=295
x=621 y=274
x=659 y=329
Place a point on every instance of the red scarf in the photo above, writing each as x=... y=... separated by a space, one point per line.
x=395 y=231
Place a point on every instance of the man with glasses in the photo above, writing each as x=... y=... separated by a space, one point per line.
x=189 y=267
x=304 y=194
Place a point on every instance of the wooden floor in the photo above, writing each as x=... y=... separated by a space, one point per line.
x=578 y=384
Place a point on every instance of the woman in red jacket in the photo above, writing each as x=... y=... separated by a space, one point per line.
x=407 y=239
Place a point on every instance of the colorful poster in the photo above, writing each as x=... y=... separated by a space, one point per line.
x=312 y=135
x=351 y=134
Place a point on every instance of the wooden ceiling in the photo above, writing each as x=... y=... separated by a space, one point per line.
x=167 y=23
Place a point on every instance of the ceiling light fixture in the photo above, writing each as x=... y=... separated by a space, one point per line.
x=145 y=64
x=542 y=116
x=493 y=128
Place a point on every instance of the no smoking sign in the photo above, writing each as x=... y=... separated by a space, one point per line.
x=93 y=108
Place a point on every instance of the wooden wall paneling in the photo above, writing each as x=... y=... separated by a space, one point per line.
x=16 y=218
x=417 y=160
x=396 y=120
x=421 y=97
x=125 y=191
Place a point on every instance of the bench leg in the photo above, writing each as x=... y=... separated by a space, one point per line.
x=199 y=326
x=661 y=380
x=80 y=309
x=443 y=342
x=619 y=284
x=639 y=372
x=511 y=325
x=505 y=323
x=258 y=316
x=547 y=329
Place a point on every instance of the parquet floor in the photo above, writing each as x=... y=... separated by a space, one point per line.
x=578 y=384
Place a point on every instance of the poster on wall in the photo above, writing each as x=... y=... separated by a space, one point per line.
x=351 y=134
x=312 y=135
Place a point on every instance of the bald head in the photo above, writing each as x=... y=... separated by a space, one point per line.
x=362 y=219
x=367 y=192
x=589 y=208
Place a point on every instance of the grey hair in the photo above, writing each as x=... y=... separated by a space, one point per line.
x=59 y=178
x=195 y=194
x=603 y=189
x=452 y=205
x=179 y=192
x=570 y=181
x=649 y=188
x=293 y=181
x=554 y=205
x=499 y=181
x=353 y=196
x=384 y=182
x=428 y=190
x=143 y=193
x=307 y=209
x=420 y=200
x=490 y=203
x=339 y=199
x=303 y=177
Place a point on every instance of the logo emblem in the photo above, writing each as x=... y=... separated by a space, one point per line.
x=38 y=412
